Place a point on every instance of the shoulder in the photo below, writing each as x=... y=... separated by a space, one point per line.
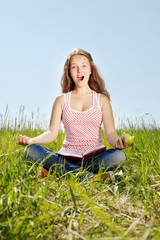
x=60 y=98
x=59 y=101
x=104 y=101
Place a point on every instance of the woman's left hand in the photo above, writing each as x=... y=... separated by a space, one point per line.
x=120 y=145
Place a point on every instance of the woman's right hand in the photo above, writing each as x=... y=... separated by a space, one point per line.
x=23 y=140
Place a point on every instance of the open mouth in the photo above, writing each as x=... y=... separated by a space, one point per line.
x=80 y=78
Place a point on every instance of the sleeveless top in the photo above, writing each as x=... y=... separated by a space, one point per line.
x=83 y=129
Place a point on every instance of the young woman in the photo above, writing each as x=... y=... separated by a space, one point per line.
x=82 y=107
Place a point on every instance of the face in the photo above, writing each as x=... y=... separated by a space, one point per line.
x=80 y=70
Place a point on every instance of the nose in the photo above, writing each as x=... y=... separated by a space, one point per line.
x=79 y=69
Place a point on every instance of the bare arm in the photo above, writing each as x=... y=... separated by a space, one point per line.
x=54 y=127
x=109 y=126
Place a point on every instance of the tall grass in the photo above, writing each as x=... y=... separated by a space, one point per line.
x=68 y=207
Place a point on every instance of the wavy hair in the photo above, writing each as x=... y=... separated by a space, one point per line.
x=96 y=83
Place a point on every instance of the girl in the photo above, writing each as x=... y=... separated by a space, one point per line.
x=82 y=107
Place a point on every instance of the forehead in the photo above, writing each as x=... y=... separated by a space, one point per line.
x=79 y=59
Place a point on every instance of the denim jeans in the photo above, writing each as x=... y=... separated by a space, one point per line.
x=107 y=160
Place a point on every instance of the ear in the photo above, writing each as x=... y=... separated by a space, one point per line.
x=90 y=70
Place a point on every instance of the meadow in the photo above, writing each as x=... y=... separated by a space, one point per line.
x=71 y=207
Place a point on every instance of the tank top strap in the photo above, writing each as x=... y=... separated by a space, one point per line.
x=67 y=98
x=96 y=97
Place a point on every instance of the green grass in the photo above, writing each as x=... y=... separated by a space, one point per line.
x=70 y=208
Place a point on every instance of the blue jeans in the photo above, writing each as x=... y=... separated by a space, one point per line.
x=108 y=160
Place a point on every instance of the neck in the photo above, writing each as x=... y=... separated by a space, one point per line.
x=82 y=90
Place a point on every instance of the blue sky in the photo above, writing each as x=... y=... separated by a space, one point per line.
x=123 y=37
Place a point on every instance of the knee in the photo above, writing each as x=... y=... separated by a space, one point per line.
x=120 y=156
x=28 y=151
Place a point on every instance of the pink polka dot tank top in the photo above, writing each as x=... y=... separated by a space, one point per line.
x=83 y=129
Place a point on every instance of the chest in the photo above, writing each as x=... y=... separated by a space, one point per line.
x=81 y=103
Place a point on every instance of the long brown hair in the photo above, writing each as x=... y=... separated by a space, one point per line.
x=96 y=83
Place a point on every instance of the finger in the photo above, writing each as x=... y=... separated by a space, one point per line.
x=20 y=139
x=119 y=144
x=17 y=139
x=125 y=140
x=125 y=144
x=133 y=144
x=24 y=140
